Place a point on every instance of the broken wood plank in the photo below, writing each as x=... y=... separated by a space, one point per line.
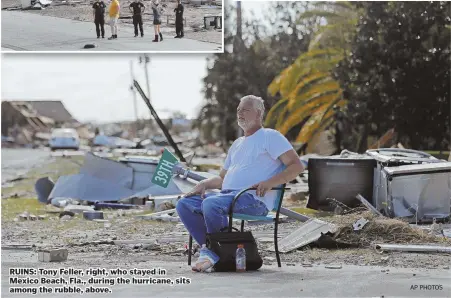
x=368 y=205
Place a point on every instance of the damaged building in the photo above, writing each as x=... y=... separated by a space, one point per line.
x=26 y=121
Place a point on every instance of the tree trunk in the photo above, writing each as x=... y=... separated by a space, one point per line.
x=363 y=142
x=337 y=136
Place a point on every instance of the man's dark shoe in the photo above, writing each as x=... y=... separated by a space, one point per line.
x=142 y=34
x=177 y=36
x=136 y=35
x=111 y=38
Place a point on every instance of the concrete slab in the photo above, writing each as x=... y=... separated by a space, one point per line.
x=270 y=281
x=23 y=31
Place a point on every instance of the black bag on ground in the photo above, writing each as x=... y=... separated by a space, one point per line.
x=225 y=244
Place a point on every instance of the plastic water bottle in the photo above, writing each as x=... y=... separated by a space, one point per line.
x=240 y=258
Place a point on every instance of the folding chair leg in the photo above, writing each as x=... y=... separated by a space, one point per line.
x=276 y=246
x=242 y=226
x=190 y=248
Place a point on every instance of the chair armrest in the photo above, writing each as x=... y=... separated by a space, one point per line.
x=237 y=196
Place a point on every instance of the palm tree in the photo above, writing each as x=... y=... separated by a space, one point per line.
x=309 y=94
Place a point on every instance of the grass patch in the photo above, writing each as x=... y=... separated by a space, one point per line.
x=311 y=212
x=13 y=207
x=58 y=167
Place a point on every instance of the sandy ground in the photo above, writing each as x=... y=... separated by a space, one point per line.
x=163 y=240
x=83 y=12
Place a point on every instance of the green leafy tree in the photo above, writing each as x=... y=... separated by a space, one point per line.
x=398 y=73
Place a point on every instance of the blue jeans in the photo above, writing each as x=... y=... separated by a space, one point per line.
x=210 y=215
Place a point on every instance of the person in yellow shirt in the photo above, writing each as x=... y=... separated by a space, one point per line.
x=113 y=13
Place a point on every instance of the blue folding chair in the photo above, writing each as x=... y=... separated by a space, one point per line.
x=245 y=217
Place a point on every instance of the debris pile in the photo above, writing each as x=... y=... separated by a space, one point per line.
x=381 y=230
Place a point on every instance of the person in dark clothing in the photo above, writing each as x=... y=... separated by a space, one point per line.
x=179 y=19
x=137 y=16
x=98 y=10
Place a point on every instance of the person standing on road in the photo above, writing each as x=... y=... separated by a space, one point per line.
x=114 y=16
x=98 y=10
x=137 y=16
x=179 y=19
x=157 y=11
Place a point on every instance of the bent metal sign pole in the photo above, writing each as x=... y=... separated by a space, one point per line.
x=160 y=123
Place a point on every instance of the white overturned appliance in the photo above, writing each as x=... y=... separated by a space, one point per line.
x=417 y=192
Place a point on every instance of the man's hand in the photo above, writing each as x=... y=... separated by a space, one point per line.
x=262 y=188
x=199 y=189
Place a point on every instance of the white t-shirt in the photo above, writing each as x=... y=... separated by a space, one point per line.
x=254 y=159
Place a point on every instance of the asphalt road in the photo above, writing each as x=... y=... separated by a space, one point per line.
x=31 y=32
x=16 y=162
x=270 y=281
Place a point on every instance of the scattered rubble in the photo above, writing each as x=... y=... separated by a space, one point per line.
x=165 y=238
x=358 y=225
x=91 y=215
x=380 y=229
x=65 y=217
x=54 y=255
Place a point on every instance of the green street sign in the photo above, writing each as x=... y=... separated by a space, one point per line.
x=163 y=172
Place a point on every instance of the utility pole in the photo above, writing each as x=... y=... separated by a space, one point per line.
x=239 y=32
x=237 y=47
x=145 y=59
x=135 y=103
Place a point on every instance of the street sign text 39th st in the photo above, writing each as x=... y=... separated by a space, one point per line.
x=163 y=172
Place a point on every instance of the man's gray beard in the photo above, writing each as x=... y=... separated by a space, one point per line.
x=245 y=125
x=242 y=125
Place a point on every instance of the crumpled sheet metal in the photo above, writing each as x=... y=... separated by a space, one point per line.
x=107 y=169
x=307 y=233
x=106 y=180
x=88 y=188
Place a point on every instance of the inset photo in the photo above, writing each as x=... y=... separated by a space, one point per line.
x=153 y=26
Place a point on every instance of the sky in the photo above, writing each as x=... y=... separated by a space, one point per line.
x=95 y=87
